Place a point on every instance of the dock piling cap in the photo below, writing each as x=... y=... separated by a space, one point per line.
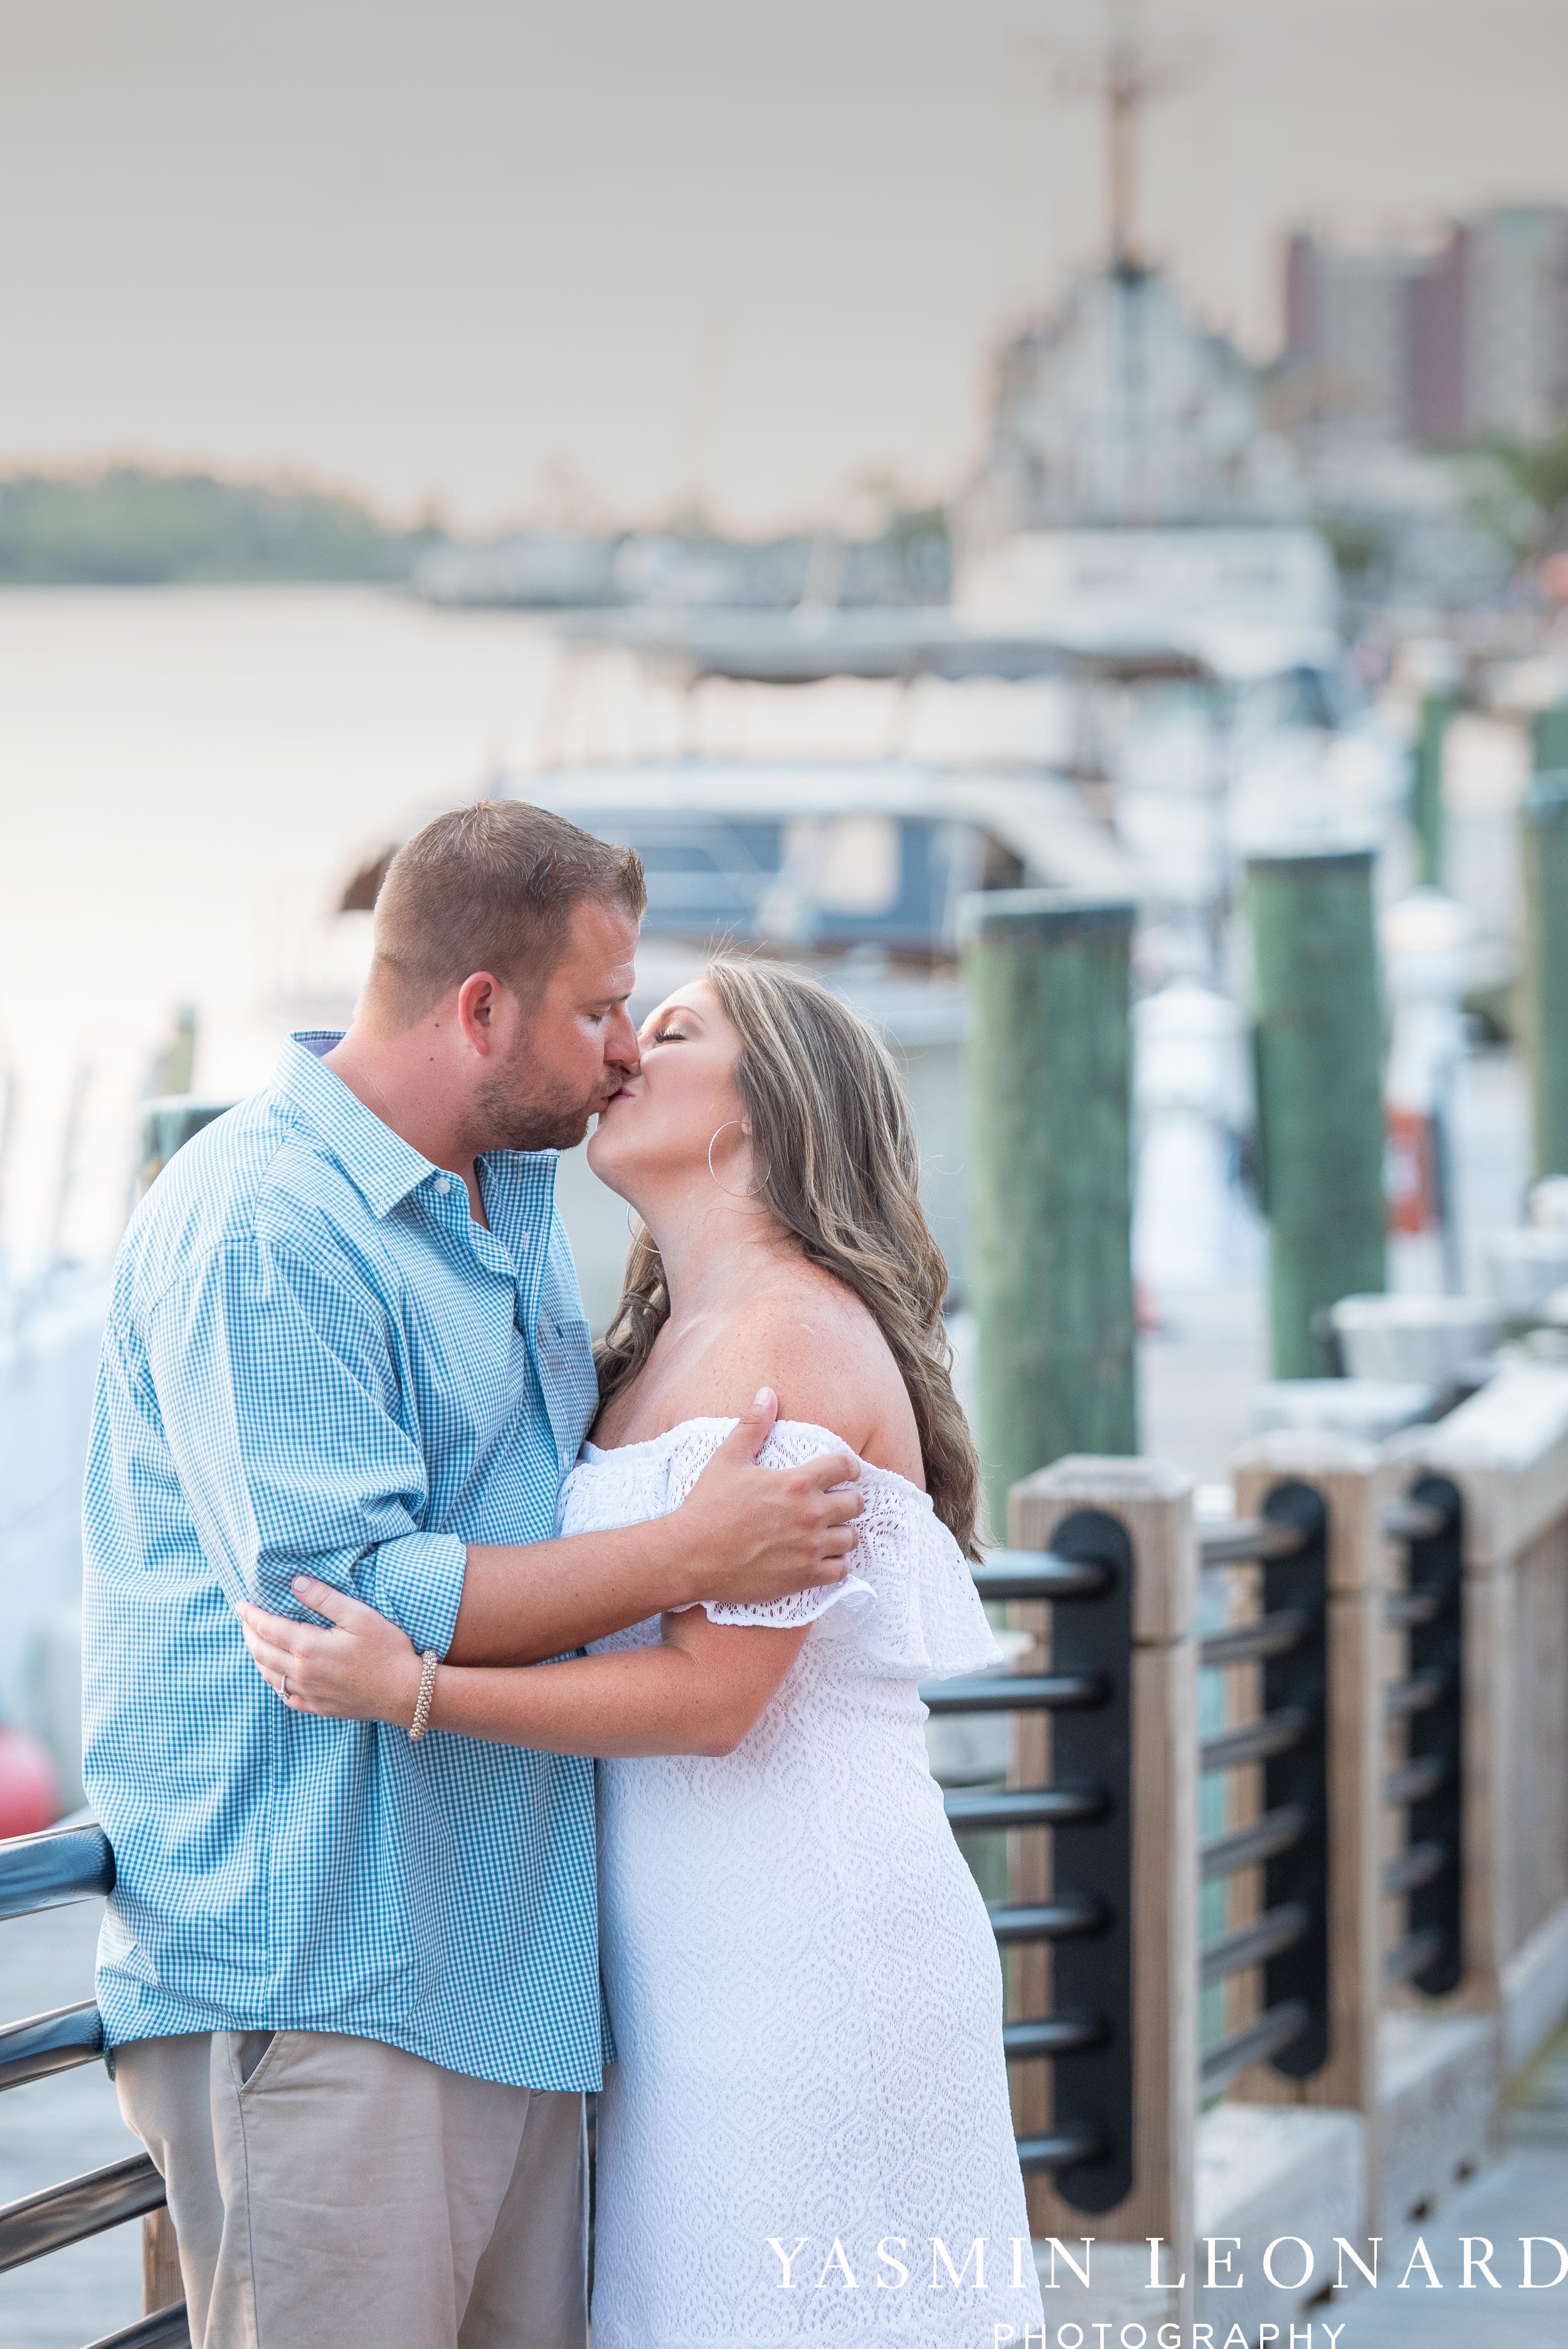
x=1308 y=858
x=1015 y=917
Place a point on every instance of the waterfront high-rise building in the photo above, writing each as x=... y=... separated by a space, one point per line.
x=1465 y=338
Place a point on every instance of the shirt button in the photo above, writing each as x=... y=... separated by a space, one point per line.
x=443 y=1183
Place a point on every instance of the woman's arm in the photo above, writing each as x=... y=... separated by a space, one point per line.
x=700 y=1690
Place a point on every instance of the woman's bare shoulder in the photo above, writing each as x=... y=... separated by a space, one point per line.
x=812 y=1342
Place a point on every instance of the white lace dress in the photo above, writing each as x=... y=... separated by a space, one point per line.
x=804 y=1988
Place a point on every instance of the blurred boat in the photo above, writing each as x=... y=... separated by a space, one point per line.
x=853 y=870
x=1148 y=679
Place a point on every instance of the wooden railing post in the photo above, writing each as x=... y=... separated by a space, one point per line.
x=1506 y=1451
x=1354 y=1488
x=1153 y=1504
x=161 y=2286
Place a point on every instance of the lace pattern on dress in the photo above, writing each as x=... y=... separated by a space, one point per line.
x=805 y=1987
x=908 y=1606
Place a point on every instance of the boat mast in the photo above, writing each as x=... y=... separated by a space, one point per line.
x=1126 y=87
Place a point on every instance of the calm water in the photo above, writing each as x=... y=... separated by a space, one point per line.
x=187 y=776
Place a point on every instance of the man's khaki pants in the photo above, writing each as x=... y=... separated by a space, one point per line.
x=332 y=2193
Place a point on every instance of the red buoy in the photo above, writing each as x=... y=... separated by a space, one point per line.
x=29 y=1790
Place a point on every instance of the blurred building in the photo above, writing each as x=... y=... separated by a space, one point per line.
x=1124 y=409
x=1431 y=347
x=1131 y=485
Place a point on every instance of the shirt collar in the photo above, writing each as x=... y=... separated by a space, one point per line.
x=381 y=1165
x=519 y=1185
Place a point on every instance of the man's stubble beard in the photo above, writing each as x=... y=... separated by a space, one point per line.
x=515 y=1115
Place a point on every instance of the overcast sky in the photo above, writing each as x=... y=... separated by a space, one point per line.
x=641 y=250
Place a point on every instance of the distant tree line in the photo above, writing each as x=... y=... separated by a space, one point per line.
x=130 y=527
x=127 y=526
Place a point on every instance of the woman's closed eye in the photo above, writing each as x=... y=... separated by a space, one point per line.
x=668 y=1036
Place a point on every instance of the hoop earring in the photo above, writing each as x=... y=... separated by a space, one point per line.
x=712 y=1139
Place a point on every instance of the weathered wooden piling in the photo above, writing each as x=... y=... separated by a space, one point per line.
x=1545 y=977
x=1427 y=797
x=1319 y=1074
x=1049 y=1079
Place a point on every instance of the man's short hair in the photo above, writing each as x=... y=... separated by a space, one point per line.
x=489 y=887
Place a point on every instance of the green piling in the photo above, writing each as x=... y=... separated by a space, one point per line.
x=1550 y=730
x=166 y=1123
x=1544 y=989
x=1427 y=811
x=1320 y=1098
x=1049 y=1079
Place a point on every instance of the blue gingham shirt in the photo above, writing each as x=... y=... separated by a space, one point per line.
x=316 y=1359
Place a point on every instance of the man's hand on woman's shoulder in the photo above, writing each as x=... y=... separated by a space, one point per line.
x=757 y=1534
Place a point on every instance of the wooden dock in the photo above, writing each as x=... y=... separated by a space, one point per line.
x=1524 y=2192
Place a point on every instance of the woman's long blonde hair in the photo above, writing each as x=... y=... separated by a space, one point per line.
x=833 y=1143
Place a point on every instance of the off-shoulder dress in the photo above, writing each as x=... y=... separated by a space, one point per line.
x=807 y=2130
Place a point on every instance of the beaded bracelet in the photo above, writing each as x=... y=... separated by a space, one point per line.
x=428 y=1663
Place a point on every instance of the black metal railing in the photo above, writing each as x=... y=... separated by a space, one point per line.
x=1289 y=1841
x=45 y=1871
x=166 y=2328
x=1087 y=1918
x=1427 y=1706
x=1288 y=1941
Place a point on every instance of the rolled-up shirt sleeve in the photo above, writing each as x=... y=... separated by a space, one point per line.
x=275 y=1370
